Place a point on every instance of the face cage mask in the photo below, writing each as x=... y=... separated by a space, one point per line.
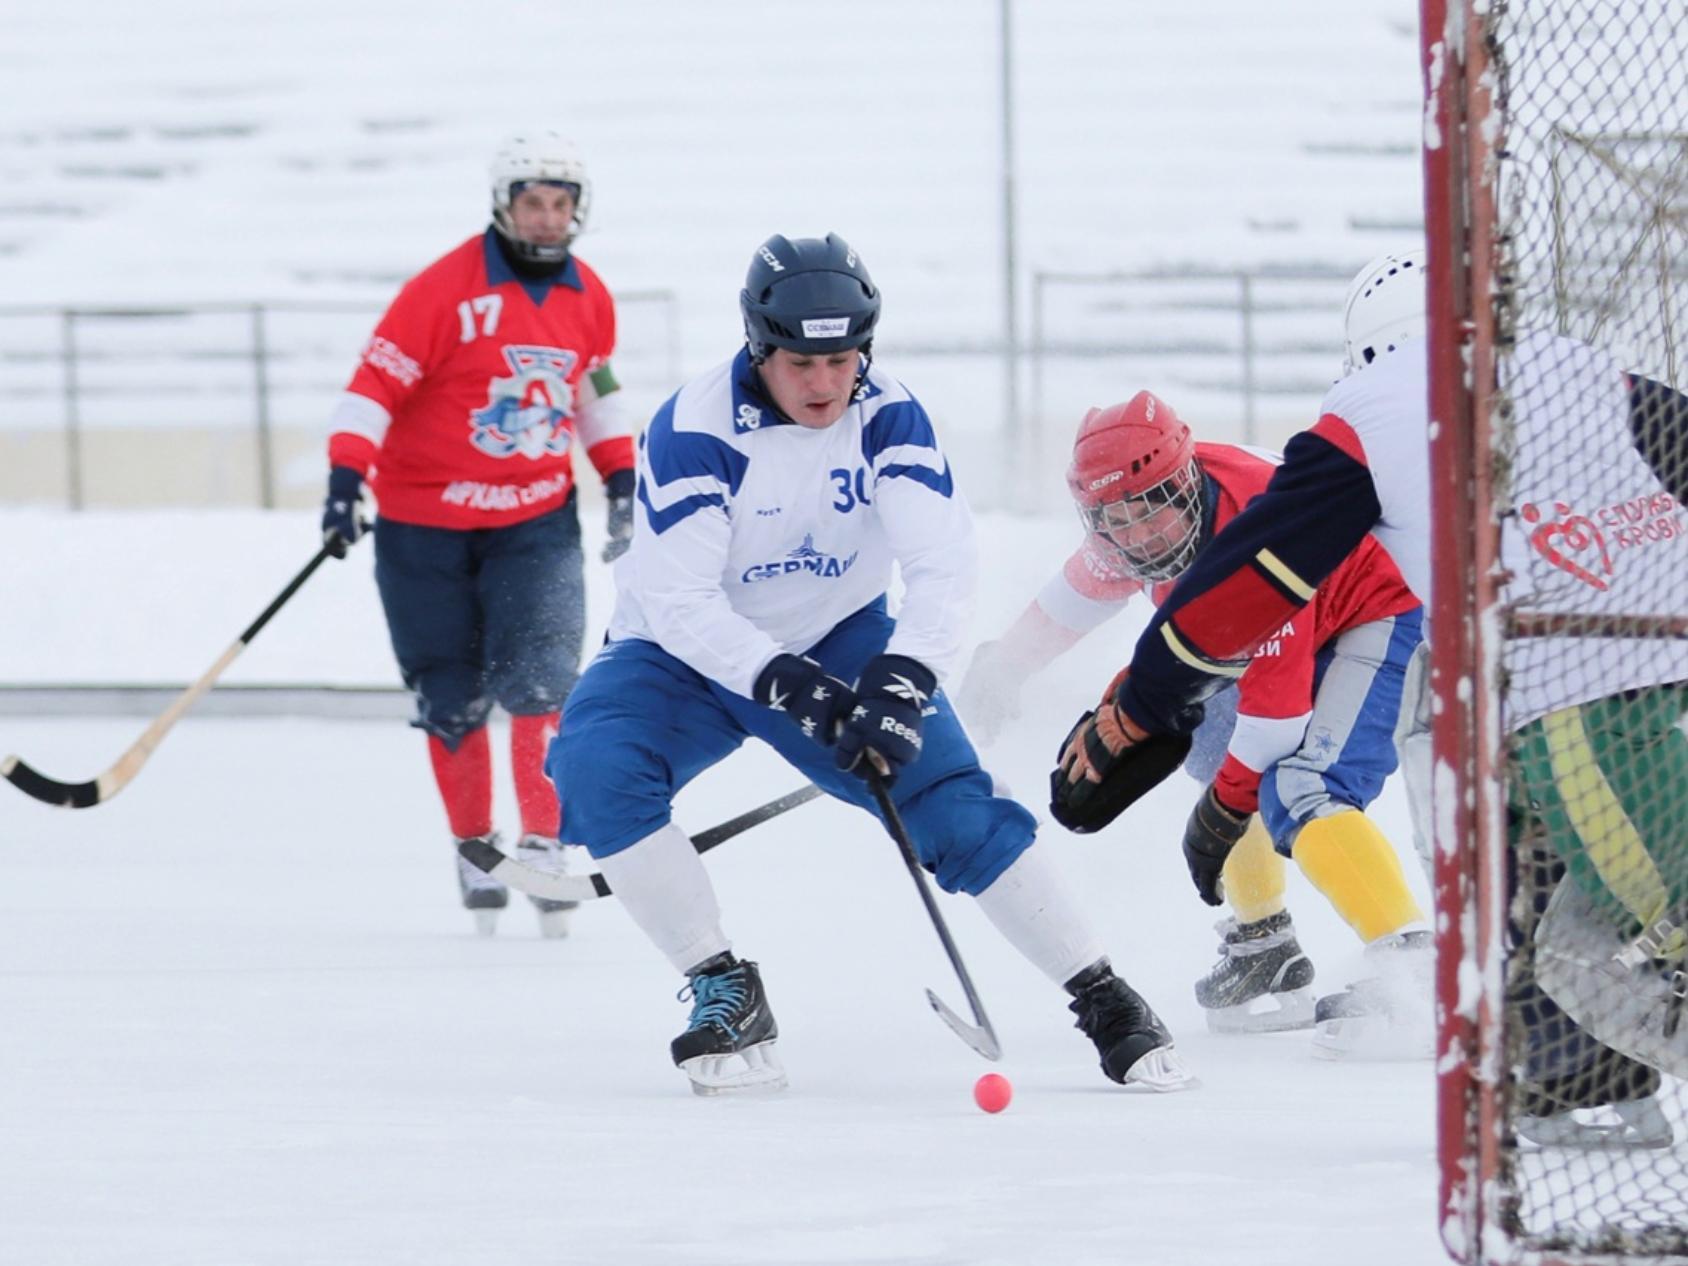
x=533 y=252
x=1166 y=554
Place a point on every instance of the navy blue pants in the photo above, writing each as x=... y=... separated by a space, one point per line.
x=484 y=616
x=641 y=725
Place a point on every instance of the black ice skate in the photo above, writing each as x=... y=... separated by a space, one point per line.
x=1135 y=1047
x=482 y=895
x=548 y=855
x=1260 y=984
x=1388 y=1016
x=728 y=1044
x=1613 y=1102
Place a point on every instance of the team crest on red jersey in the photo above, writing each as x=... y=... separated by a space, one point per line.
x=530 y=412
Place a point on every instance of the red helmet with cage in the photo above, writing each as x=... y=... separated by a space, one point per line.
x=1138 y=487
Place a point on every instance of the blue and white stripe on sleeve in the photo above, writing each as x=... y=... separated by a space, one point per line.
x=682 y=472
x=898 y=443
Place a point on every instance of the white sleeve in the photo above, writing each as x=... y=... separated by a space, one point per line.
x=599 y=417
x=1068 y=607
x=930 y=531
x=1261 y=742
x=359 y=415
x=678 y=555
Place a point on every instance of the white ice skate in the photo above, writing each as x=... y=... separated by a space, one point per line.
x=1389 y=1016
x=483 y=896
x=755 y=1069
x=1639 y=1123
x=1162 y=1070
x=543 y=853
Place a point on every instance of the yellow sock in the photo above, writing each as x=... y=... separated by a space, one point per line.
x=1347 y=858
x=1254 y=876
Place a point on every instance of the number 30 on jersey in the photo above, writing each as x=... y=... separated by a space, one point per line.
x=851 y=489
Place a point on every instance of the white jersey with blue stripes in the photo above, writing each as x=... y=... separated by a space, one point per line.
x=755 y=536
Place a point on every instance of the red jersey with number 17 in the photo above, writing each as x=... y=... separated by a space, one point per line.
x=474 y=387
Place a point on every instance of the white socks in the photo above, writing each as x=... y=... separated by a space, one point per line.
x=1032 y=906
x=661 y=882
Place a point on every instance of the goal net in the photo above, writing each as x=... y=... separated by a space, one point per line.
x=1556 y=163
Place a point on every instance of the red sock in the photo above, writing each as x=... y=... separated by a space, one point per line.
x=465 y=782
x=535 y=796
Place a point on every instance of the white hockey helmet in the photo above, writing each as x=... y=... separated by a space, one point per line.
x=1385 y=306
x=538 y=157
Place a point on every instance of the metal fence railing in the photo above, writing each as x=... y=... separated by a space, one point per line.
x=246 y=373
x=226 y=403
x=1249 y=334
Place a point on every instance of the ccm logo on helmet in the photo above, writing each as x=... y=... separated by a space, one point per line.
x=826 y=327
x=1105 y=480
x=771 y=259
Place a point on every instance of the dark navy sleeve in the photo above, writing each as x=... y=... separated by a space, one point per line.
x=1658 y=419
x=1258 y=571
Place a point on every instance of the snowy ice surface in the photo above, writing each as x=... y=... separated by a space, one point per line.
x=245 y=1021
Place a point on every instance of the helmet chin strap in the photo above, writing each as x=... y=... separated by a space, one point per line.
x=866 y=349
x=524 y=257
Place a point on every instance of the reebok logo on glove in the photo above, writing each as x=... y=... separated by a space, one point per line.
x=905 y=732
x=903 y=688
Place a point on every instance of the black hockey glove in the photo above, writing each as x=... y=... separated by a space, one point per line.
x=816 y=701
x=884 y=726
x=1105 y=765
x=341 y=526
x=619 y=489
x=620 y=534
x=1209 y=837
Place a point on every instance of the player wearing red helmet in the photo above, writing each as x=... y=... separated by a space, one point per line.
x=1308 y=740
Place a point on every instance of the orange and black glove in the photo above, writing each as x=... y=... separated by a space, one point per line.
x=1107 y=763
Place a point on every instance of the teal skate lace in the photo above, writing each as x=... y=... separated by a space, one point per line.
x=715 y=999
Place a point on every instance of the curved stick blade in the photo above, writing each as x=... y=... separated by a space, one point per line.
x=981 y=1037
x=32 y=782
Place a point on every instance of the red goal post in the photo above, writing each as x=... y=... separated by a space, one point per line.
x=1556 y=197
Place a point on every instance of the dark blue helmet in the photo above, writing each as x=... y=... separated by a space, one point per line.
x=809 y=296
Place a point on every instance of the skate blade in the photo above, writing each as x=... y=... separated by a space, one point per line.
x=554 y=924
x=1269 y=1013
x=1161 y=1070
x=486 y=922
x=754 y=1070
x=1640 y=1124
x=1372 y=1039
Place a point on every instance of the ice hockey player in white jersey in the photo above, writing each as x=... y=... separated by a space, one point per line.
x=1364 y=467
x=774 y=494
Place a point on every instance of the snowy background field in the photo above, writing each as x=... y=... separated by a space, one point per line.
x=320 y=152
x=242 y=1020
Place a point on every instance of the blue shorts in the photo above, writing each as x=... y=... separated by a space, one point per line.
x=1348 y=751
x=483 y=616
x=641 y=725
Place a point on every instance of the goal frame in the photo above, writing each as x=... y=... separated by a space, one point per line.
x=1468 y=832
x=1471 y=323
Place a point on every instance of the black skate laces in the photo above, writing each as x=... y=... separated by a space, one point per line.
x=1107 y=1001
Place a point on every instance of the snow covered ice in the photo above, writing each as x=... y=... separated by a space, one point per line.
x=247 y=1022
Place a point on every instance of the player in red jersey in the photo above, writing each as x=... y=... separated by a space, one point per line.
x=477 y=382
x=1314 y=710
